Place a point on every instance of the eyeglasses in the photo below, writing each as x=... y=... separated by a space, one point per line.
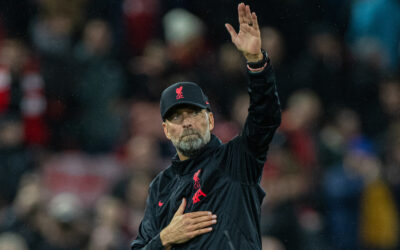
x=180 y=115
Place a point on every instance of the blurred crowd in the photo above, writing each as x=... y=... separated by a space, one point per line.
x=80 y=127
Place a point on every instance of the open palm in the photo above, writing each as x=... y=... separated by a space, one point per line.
x=248 y=39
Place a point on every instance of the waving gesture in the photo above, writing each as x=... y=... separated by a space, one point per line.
x=248 y=40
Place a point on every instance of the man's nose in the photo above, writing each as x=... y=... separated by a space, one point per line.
x=187 y=119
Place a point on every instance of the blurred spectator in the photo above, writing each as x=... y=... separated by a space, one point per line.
x=230 y=80
x=22 y=216
x=379 y=216
x=270 y=243
x=99 y=85
x=342 y=193
x=284 y=184
x=22 y=91
x=275 y=45
x=374 y=32
x=12 y=241
x=147 y=72
x=22 y=109
x=108 y=225
x=380 y=109
x=322 y=67
x=133 y=191
x=343 y=126
x=15 y=159
x=299 y=123
x=240 y=110
x=140 y=19
x=145 y=120
x=389 y=95
x=62 y=224
x=289 y=210
x=136 y=194
x=143 y=153
x=189 y=53
x=52 y=34
x=360 y=189
x=290 y=176
x=55 y=24
x=184 y=34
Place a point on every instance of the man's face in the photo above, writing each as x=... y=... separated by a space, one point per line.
x=188 y=127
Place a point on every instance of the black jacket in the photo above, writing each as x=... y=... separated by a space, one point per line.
x=222 y=178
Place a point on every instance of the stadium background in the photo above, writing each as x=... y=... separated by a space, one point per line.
x=80 y=133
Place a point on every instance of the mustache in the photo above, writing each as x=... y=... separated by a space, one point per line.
x=190 y=131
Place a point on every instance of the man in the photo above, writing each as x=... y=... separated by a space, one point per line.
x=208 y=179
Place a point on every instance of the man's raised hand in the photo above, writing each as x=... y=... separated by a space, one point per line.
x=248 y=40
x=184 y=227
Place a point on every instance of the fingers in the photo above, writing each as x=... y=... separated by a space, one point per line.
x=248 y=15
x=231 y=31
x=254 y=20
x=241 y=13
x=193 y=215
x=181 y=208
x=184 y=227
x=244 y=14
x=204 y=224
x=204 y=219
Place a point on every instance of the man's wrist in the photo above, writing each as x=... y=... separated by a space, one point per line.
x=254 y=58
x=260 y=64
x=163 y=238
x=259 y=59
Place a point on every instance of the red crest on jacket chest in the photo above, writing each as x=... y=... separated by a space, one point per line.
x=196 y=179
x=197 y=195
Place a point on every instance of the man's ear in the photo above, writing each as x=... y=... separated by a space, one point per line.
x=211 y=120
x=165 y=128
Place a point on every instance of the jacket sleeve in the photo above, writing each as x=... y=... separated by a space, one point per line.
x=264 y=115
x=248 y=151
x=148 y=236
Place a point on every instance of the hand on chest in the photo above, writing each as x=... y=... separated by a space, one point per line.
x=200 y=188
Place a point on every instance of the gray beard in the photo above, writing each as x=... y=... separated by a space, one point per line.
x=191 y=145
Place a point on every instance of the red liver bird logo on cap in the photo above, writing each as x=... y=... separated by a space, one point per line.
x=179 y=94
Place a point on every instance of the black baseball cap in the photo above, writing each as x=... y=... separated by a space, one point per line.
x=182 y=93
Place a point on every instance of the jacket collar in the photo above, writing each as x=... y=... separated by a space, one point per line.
x=190 y=165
